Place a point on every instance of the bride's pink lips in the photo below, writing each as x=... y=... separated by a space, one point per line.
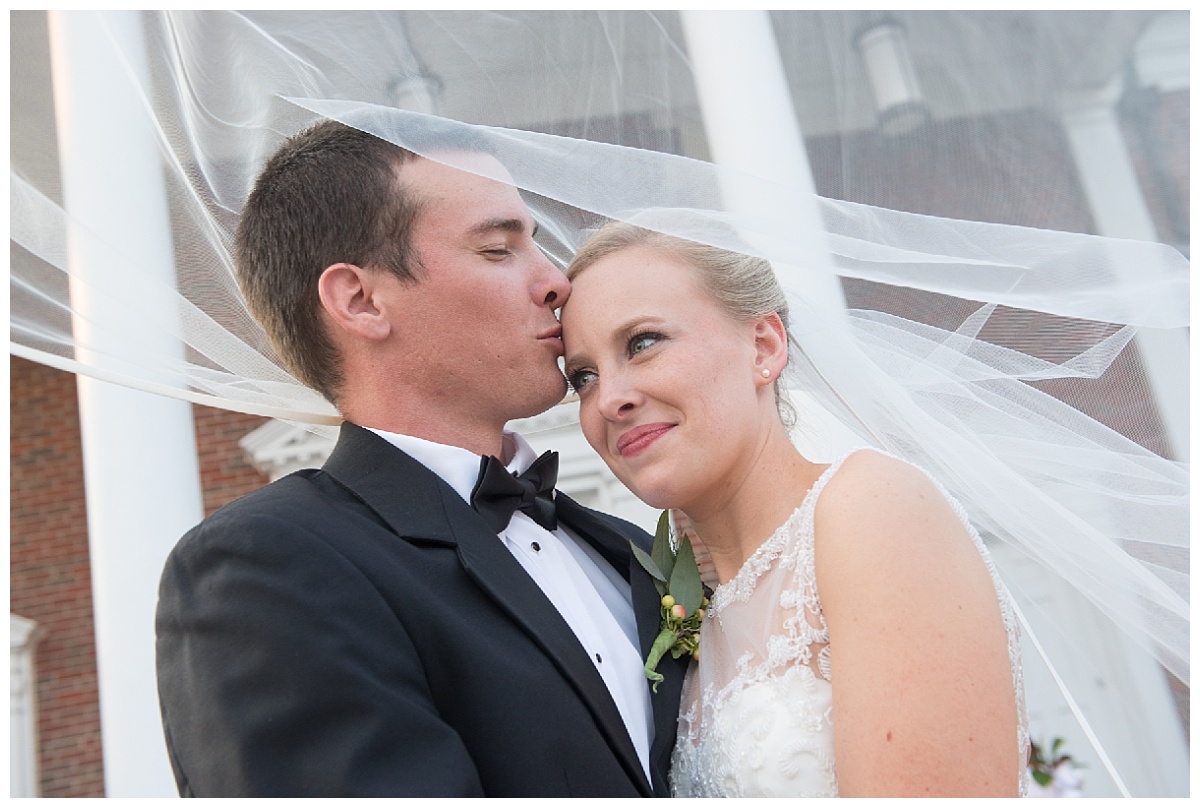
x=638 y=439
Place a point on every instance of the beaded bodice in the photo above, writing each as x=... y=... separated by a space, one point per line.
x=757 y=712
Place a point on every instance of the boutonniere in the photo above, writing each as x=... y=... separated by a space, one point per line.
x=677 y=578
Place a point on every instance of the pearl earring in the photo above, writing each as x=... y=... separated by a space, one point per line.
x=766 y=373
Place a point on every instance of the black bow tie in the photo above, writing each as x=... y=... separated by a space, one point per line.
x=498 y=493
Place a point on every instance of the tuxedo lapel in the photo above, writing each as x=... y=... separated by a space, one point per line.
x=610 y=544
x=419 y=506
x=614 y=546
x=529 y=607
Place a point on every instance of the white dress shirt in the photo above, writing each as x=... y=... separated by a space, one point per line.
x=590 y=595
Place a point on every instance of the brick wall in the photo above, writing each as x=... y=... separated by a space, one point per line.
x=967 y=169
x=49 y=574
x=224 y=473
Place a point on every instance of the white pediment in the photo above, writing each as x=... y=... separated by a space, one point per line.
x=278 y=448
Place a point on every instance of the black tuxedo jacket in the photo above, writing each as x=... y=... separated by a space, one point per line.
x=358 y=630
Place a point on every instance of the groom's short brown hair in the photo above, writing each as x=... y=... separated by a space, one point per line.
x=330 y=194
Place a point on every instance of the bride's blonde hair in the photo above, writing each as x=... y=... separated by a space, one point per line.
x=743 y=285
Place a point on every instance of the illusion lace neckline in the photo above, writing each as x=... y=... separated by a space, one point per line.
x=739 y=587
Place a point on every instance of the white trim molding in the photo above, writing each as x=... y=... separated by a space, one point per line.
x=277 y=448
x=23 y=772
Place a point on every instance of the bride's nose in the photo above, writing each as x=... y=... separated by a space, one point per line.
x=616 y=398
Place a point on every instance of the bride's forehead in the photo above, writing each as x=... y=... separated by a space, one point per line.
x=642 y=264
x=611 y=298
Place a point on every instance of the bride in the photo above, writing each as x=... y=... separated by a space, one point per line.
x=859 y=641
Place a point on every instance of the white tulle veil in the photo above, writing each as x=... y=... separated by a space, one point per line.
x=1010 y=360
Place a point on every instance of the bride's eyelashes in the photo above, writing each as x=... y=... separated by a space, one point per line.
x=641 y=341
x=578 y=379
x=637 y=343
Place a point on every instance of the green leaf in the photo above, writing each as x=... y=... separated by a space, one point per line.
x=1042 y=778
x=662 y=644
x=661 y=551
x=685 y=584
x=648 y=564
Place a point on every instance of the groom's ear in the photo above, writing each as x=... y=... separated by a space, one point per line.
x=770 y=346
x=354 y=302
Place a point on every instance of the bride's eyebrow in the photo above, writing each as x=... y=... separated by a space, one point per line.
x=575 y=361
x=635 y=324
x=619 y=335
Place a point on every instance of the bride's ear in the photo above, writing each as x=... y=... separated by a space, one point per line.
x=770 y=347
x=351 y=297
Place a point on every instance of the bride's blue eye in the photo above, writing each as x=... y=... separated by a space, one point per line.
x=580 y=379
x=640 y=342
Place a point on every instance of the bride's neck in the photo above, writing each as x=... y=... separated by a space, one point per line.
x=768 y=493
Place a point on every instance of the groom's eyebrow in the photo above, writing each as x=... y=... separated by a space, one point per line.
x=507 y=225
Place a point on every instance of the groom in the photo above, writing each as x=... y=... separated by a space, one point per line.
x=411 y=619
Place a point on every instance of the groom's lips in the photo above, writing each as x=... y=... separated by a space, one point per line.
x=638 y=439
x=553 y=336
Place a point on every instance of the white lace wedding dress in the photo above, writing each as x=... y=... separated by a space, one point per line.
x=756 y=715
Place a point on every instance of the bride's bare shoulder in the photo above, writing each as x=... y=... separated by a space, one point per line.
x=872 y=479
x=884 y=507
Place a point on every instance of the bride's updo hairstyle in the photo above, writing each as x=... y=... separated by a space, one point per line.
x=744 y=285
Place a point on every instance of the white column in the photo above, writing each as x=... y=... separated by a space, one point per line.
x=1154 y=750
x=1119 y=208
x=139 y=450
x=752 y=127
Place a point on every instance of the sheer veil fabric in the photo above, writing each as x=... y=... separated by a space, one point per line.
x=981 y=338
